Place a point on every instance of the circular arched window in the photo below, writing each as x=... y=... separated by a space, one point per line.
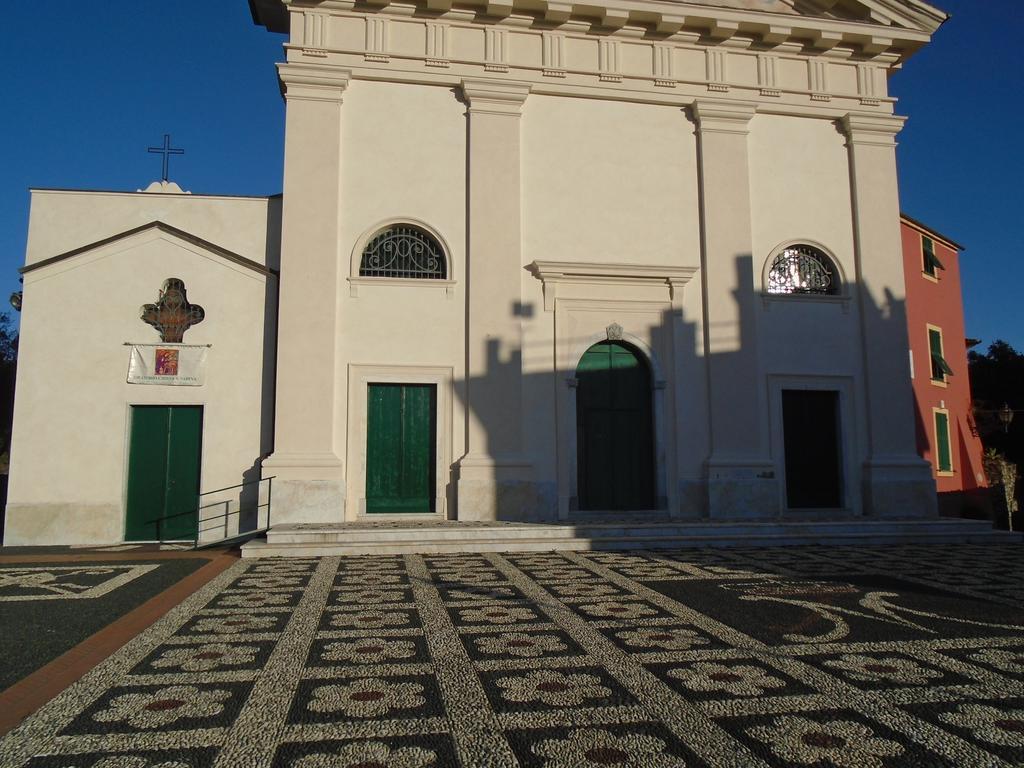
x=403 y=251
x=803 y=269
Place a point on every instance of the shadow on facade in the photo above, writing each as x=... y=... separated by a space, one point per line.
x=698 y=367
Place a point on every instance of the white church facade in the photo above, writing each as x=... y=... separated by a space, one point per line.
x=532 y=261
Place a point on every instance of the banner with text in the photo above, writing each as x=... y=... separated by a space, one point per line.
x=180 y=365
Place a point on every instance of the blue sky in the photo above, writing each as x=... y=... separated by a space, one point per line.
x=90 y=87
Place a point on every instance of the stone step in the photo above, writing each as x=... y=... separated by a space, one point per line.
x=359 y=534
x=495 y=539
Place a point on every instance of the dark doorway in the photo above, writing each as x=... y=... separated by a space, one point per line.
x=615 y=452
x=810 y=425
x=400 y=448
x=163 y=472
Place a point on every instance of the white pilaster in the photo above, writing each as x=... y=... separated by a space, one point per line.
x=741 y=480
x=494 y=476
x=310 y=481
x=897 y=482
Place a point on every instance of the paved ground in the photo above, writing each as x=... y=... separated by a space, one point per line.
x=806 y=656
x=60 y=600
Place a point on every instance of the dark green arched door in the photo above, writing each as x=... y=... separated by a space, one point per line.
x=614 y=440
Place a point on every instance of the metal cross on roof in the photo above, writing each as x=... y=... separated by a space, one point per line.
x=166 y=151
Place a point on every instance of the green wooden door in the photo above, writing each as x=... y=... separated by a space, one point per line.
x=163 y=472
x=400 y=448
x=614 y=445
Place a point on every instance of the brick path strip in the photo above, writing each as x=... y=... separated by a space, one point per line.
x=30 y=693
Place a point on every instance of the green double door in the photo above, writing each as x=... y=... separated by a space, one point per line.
x=163 y=472
x=614 y=444
x=401 y=434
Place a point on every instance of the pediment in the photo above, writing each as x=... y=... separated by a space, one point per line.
x=154 y=226
x=905 y=14
x=911 y=15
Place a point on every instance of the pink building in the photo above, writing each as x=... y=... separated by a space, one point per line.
x=946 y=433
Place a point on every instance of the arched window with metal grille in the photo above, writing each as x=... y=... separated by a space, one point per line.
x=803 y=269
x=404 y=251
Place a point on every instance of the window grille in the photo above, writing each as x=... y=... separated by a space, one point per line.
x=403 y=251
x=803 y=269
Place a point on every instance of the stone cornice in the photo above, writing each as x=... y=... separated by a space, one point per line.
x=874 y=130
x=625 y=65
x=555 y=273
x=887 y=27
x=495 y=97
x=313 y=82
x=723 y=117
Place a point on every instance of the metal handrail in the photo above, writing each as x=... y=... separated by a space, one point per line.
x=227 y=514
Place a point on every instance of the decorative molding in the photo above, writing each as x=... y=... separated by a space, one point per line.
x=377 y=39
x=495 y=49
x=767 y=76
x=716 y=63
x=552 y=274
x=495 y=97
x=614 y=332
x=553 y=54
x=313 y=82
x=437 y=44
x=472 y=46
x=723 y=117
x=774 y=34
x=866 y=85
x=663 y=54
x=499 y=9
x=278 y=460
x=608 y=55
x=314 y=34
x=896 y=29
x=557 y=13
x=817 y=77
x=871 y=130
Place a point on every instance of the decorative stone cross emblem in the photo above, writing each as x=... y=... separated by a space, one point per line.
x=172 y=315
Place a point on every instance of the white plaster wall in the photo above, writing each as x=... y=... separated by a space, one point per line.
x=800 y=192
x=608 y=181
x=72 y=410
x=416 y=172
x=62 y=220
x=800 y=188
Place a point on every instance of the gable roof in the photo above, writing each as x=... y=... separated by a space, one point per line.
x=181 y=234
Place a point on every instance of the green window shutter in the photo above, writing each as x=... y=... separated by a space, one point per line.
x=931 y=261
x=940 y=368
x=942 y=451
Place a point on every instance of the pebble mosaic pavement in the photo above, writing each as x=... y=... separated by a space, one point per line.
x=853 y=658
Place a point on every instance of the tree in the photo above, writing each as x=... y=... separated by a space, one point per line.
x=1003 y=473
x=8 y=339
x=997 y=379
